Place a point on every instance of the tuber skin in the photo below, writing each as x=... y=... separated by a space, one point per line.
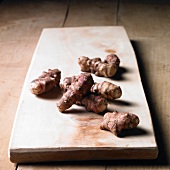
x=117 y=121
x=78 y=88
x=107 y=90
x=67 y=82
x=113 y=58
x=94 y=103
x=106 y=68
x=45 y=82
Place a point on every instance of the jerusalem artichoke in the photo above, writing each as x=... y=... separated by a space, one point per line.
x=45 y=82
x=117 y=121
x=106 y=68
x=94 y=103
x=67 y=82
x=78 y=88
x=107 y=90
x=113 y=58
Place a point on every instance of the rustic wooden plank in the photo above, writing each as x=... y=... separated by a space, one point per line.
x=137 y=167
x=146 y=58
x=147 y=24
x=88 y=166
x=64 y=166
x=91 y=13
x=30 y=18
x=104 y=13
x=99 y=13
x=158 y=76
x=13 y=74
x=155 y=77
x=145 y=18
x=44 y=128
x=20 y=27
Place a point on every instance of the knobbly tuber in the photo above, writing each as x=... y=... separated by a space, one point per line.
x=107 y=90
x=112 y=58
x=67 y=82
x=94 y=103
x=117 y=121
x=78 y=88
x=106 y=68
x=46 y=81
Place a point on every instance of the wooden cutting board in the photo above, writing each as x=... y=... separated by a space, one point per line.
x=42 y=133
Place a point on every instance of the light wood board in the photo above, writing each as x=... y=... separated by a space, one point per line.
x=42 y=133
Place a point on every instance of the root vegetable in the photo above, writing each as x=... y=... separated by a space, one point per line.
x=45 y=82
x=106 y=68
x=94 y=103
x=117 y=121
x=78 y=88
x=67 y=82
x=107 y=90
x=112 y=58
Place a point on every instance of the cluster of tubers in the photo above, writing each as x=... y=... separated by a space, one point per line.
x=82 y=90
x=96 y=95
x=45 y=82
x=106 y=68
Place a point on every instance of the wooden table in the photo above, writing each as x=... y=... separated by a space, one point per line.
x=148 y=26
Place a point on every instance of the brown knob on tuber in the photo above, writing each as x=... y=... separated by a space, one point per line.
x=45 y=82
x=106 y=68
x=94 y=103
x=117 y=121
x=78 y=88
x=108 y=90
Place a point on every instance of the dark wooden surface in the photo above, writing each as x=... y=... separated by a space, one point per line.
x=148 y=26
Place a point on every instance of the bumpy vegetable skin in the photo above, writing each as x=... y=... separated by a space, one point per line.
x=94 y=103
x=78 y=88
x=67 y=83
x=117 y=121
x=106 y=89
x=45 y=82
x=106 y=68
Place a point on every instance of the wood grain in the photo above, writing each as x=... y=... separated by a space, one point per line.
x=45 y=131
x=65 y=166
x=20 y=27
x=150 y=20
x=98 y=13
x=147 y=26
